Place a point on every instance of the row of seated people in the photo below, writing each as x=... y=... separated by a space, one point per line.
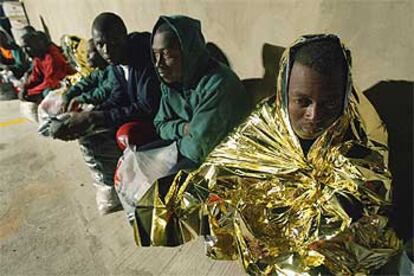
x=293 y=185
x=35 y=67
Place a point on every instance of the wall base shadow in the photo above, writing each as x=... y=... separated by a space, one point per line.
x=265 y=87
x=393 y=101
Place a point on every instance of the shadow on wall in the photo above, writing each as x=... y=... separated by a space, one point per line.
x=45 y=28
x=263 y=87
x=266 y=86
x=393 y=101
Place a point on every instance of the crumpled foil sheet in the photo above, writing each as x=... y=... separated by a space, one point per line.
x=259 y=199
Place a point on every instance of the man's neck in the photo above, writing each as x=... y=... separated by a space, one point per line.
x=306 y=145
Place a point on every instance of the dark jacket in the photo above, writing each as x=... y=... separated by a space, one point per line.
x=212 y=98
x=139 y=97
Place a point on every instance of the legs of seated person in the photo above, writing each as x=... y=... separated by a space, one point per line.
x=135 y=133
x=34 y=98
x=101 y=154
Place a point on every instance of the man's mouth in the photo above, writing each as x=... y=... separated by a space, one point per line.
x=163 y=73
x=108 y=59
x=313 y=128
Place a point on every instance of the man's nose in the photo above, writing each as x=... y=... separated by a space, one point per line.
x=104 y=49
x=159 y=61
x=313 y=113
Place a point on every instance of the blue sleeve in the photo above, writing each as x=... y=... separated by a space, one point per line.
x=122 y=107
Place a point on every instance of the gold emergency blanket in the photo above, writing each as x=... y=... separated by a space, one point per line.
x=76 y=51
x=281 y=212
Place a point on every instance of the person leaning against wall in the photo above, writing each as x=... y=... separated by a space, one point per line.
x=49 y=67
x=202 y=100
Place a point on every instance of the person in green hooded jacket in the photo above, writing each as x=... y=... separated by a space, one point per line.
x=202 y=99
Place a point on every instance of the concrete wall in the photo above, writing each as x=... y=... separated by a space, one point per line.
x=379 y=32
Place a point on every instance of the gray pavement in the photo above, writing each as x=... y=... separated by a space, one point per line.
x=49 y=224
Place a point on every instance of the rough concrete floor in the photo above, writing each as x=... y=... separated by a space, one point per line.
x=48 y=220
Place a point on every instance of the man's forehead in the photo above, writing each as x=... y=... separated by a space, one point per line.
x=107 y=34
x=305 y=80
x=165 y=40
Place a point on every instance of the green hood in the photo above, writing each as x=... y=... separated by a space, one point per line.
x=193 y=46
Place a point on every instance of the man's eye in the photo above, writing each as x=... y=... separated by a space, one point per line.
x=332 y=104
x=302 y=101
x=169 y=54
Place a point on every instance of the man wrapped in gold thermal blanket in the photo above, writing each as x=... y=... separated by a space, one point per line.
x=298 y=186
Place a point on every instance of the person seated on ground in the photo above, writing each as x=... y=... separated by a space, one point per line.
x=202 y=100
x=94 y=88
x=299 y=186
x=131 y=105
x=49 y=67
x=12 y=57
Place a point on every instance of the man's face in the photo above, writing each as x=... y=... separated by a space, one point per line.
x=110 y=44
x=34 y=47
x=167 y=53
x=94 y=58
x=315 y=100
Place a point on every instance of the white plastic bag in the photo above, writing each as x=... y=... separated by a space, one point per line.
x=50 y=109
x=51 y=105
x=137 y=171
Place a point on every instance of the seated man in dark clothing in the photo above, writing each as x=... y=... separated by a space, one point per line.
x=202 y=100
x=134 y=97
x=48 y=69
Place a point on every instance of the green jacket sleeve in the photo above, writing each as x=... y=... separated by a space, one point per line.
x=101 y=92
x=21 y=64
x=93 y=88
x=85 y=84
x=218 y=112
x=167 y=128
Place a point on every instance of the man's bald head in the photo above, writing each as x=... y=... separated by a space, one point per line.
x=110 y=37
x=109 y=21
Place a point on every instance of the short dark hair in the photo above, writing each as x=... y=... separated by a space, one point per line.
x=30 y=36
x=109 y=21
x=324 y=56
x=28 y=29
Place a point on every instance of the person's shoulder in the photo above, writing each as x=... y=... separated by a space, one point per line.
x=165 y=89
x=139 y=37
x=218 y=75
x=139 y=49
x=54 y=52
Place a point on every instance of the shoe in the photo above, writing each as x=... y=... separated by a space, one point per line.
x=107 y=200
